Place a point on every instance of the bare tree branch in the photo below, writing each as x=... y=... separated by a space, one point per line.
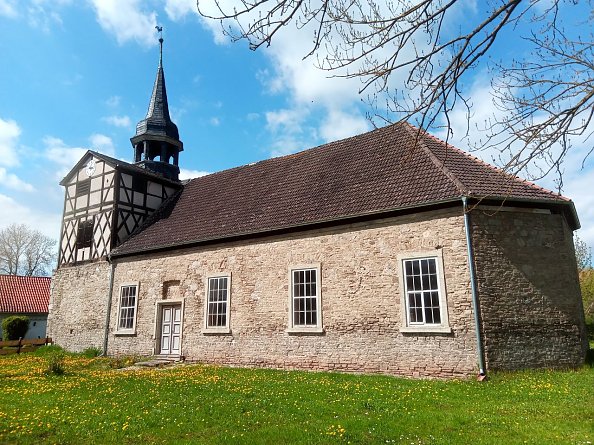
x=546 y=99
x=24 y=251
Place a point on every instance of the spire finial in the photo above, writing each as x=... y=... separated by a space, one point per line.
x=160 y=31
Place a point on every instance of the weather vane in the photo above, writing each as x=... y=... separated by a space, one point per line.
x=160 y=31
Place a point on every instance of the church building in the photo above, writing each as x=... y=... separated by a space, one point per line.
x=389 y=252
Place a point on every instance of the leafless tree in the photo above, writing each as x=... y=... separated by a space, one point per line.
x=25 y=251
x=546 y=99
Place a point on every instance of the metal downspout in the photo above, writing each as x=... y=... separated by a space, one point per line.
x=475 y=303
x=109 y=298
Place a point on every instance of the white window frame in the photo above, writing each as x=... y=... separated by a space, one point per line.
x=306 y=329
x=132 y=330
x=421 y=327
x=206 y=329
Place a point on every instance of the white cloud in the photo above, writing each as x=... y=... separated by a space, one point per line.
x=126 y=20
x=43 y=18
x=319 y=105
x=215 y=121
x=118 y=121
x=13 y=182
x=102 y=144
x=189 y=174
x=63 y=155
x=288 y=120
x=57 y=151
x=178 y=9
x=286 y=145
x=339 y=125
x=9 y=135
x=14 y=212
x=8 y=8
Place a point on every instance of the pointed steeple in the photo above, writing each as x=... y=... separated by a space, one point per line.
x=157 y=135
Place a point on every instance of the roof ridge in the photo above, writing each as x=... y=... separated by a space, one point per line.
x=495 y=168
x=439 y=164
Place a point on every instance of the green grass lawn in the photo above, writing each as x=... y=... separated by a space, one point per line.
x=93 y=403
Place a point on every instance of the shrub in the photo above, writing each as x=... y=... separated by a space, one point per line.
x=15 y=327
x=91 y=352
x=55 y=363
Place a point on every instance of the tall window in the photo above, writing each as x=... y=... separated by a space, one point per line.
x=423 y=290
x=127 y=308
x=306 y=312
x=217 y=304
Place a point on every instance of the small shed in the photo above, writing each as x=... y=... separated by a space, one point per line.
x=26 y=296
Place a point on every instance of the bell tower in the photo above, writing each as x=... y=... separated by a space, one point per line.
x=156 y=143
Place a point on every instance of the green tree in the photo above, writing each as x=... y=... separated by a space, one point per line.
x=15 y=327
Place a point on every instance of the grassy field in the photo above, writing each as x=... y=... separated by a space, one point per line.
x=94 y=403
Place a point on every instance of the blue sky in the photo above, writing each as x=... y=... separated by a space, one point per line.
x=77 y=74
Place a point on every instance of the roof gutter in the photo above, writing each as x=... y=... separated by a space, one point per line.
x=475 y=302
x=108 y=304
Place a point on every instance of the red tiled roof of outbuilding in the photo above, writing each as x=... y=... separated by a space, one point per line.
x=390 y=168
x=20 y=294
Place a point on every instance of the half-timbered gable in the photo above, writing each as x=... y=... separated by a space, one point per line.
x=106 y=200
x=89 y=205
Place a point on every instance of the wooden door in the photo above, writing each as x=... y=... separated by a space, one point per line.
x=171 y=321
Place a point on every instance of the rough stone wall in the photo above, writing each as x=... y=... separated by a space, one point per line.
x=361 y=299
x=78 y=306
x=530 y=304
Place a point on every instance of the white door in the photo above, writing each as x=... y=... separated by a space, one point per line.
x=170 y=329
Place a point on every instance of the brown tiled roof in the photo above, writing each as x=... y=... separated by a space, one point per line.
x=375 y=172
x=24 y=294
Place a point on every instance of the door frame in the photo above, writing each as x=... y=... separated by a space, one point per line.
x=158 y=321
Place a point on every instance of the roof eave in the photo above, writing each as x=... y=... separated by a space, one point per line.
x=562 y=202
x=568 y=204
x=340 y=219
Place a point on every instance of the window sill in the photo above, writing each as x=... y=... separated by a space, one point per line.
x=305 y=331
x=216 y=331
x=426 y=330
x=125 y=333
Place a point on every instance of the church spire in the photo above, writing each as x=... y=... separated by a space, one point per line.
x=160 y=31
x=157 y=135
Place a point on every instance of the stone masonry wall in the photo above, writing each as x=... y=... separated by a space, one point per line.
x=530 y=303
x=361 y=299
x=78 y=306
